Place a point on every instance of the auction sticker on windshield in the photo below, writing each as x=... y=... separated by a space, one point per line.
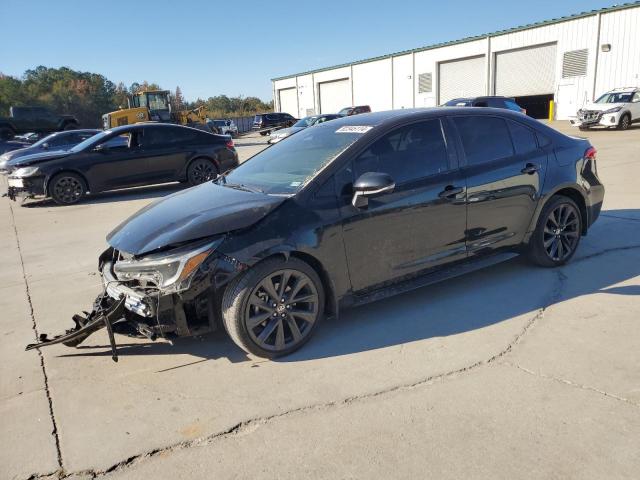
x=354 y=129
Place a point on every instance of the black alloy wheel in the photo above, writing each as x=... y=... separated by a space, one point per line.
x=281 y=310
x=201 y=170
x=625 y=122
x=67 y=188
x=561 y=234
x=557 y=234
x=274 y=308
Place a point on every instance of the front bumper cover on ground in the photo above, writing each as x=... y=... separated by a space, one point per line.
x=104 y=314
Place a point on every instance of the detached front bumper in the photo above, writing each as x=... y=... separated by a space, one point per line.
x=24 y=187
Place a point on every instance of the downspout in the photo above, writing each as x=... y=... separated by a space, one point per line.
x=351 y=78
x=595 y=66
x=489 y=86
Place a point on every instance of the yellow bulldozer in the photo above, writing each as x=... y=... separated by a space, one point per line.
x=155 y=106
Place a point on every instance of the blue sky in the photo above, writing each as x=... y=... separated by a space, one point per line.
x=213 y=47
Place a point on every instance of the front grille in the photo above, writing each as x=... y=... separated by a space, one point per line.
x=590 y=115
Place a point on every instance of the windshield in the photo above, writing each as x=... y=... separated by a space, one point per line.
x=304 y=122
x=344 y=111
x=44 y=140
x=157 y=101
x=620 y=97
x=89 y=142
x=284 y=168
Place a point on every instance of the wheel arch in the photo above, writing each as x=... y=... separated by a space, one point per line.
x=331 y=303
x=48 y=178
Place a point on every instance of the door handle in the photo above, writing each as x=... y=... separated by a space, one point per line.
x=450 y=191
x=530 y=168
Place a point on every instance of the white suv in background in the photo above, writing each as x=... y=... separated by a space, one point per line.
x=618 y=108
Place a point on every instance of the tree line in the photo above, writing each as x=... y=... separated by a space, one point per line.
x=89 y=95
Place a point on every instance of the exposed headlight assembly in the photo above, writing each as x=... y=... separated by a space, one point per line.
x=613 y=110
x=25 y=172
x=171 y=271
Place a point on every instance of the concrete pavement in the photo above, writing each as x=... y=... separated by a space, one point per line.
x=513 y=371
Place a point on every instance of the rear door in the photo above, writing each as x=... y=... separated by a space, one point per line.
x=164 y=150
x=418 y=226
x=504 y=169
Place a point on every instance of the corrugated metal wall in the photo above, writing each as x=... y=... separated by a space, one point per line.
x=393 y=82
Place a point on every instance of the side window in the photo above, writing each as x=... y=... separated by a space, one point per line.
x=153 y=137
x=327 y=190
x=407 y=153
x=524 y=139
x=484 y=138
x=59 y=140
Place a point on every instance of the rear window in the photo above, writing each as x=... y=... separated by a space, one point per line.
x=257 y=118
x=524 y=139
x=484 y=138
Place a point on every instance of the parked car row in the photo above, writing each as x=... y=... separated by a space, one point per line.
x=128 y=156
x=342 y=213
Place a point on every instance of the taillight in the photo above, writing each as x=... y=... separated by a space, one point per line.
x=590 y=156
x=230 y=143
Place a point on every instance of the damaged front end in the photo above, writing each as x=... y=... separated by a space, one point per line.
x=171 y=291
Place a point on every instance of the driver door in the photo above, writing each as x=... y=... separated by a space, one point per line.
x=418 y=226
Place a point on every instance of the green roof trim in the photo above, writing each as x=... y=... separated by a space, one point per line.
x=575 y=16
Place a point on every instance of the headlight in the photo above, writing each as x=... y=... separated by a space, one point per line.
x=25 y=172
x=171 y=271
x=613 y=110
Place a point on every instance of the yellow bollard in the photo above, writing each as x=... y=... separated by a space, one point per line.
x=551 y=110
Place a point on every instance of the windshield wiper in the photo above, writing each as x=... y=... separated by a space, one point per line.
x=242 y=186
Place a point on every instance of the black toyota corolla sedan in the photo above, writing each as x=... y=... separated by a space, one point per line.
x=345 y=213
x=128 y=156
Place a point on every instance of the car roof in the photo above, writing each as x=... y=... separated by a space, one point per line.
x=78 y=130
x=141 y=125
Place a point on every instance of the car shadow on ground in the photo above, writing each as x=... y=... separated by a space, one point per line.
x=137 y=193
x=464 y=304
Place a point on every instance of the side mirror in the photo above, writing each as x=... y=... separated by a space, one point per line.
x=102 y=148
x=45 y=146
x=370 y=184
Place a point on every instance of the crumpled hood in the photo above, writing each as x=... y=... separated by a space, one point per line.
x=601 y=107
x=36 y=158
x=191 y=214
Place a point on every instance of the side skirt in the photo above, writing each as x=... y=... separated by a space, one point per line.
x=440 y=275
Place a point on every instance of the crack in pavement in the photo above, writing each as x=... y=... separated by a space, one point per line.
x=54 y=431
x=250 y=425
x=571 y=383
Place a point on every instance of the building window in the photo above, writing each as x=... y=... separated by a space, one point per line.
x=425 y=83
x=574 y=63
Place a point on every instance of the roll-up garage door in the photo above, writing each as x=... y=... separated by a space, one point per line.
x=289 y=101
x=526 y=71
x=461 y=78
x=335 y=95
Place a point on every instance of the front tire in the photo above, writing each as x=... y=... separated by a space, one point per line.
x=274 y=308
x=625 y=122
x=201 y=170
x=67 y=188
x=557 y=234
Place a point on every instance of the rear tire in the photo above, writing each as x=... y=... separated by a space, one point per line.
x=557 y=234
x=625 y=122
x=274 y=308
x=67 y=188
x=201 y=170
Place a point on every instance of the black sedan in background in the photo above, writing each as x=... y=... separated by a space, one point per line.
x=56 y=141
x=128 y=156
x=348 y=212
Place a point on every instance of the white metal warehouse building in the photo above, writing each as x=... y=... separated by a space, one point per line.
x=570 y=60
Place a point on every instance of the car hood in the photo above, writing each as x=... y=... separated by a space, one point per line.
x=191 y=214
x=601 y=107
x=32 y=159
